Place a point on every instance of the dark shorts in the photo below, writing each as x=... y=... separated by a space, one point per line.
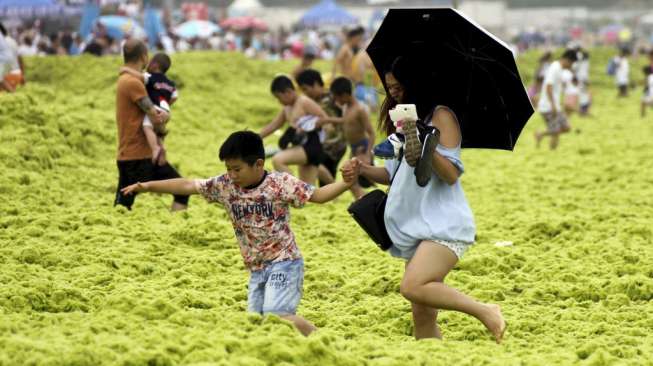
x=555 y=124
x=360 y=147
x=134 y=171
x=313 y=148
x=331 y=165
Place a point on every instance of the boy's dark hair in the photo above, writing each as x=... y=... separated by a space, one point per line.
x=163 y=61
x=340 y=86
x=625 y=52
x=570 y=55
x=133 y=50
x=244 y=145
x=310 y=77
x=358 y=31
x=280 y=84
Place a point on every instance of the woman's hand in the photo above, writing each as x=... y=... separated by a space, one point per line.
x=350 y=171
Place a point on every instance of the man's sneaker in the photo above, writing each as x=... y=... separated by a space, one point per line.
x=424 y=168
x=412 y=147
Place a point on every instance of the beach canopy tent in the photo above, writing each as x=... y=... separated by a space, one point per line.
x=243 y=23
x=35 y=9
x=196 y=28
x=327 y=13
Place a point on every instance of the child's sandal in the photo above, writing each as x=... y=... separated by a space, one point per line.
x=412 y=147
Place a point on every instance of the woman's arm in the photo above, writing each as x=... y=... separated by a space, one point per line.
x=378 y=174
x=449 y=137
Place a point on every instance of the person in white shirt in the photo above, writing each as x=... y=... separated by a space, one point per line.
x=10 y=65
x=571 y=92
x=549 y=104
x=622 y=75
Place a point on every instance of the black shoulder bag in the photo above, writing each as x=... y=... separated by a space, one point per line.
x=368 y=212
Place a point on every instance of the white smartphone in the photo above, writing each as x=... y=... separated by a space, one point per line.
x=403 y=111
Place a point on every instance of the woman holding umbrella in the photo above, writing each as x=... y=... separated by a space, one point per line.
x=431 y=226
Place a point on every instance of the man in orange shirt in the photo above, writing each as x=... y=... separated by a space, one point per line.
x=134 y=154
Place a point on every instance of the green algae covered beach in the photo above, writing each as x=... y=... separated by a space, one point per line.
x=84 y=283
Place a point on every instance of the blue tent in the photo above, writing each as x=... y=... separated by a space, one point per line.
x=30 y=8
x=327 y=13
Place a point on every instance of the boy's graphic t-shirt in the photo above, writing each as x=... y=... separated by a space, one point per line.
x=261 y=215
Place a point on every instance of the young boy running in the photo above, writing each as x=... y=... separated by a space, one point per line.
x=296 y=109
x=358 y=130
x=622 y=74
x=549 y=104
x=257 y=203
x=334 y=146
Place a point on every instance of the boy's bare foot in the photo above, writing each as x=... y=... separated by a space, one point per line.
x=538 y=139
x=495 y=322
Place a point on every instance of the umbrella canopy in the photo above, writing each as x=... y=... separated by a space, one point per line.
x=196 y=28
x=244 y=7
x=34 y=8
x=117 y=26
x=242 y=23
x=464 y=67
x=327 y=13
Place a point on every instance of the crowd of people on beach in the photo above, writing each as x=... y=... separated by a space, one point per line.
x=276 y=44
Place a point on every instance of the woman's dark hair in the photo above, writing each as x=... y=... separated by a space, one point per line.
x=570 y=55
x=244 y=145
x=417 y=83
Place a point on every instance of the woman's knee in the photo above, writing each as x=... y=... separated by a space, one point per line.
x=410 y=289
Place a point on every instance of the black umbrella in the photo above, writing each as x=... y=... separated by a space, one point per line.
x=468 y=69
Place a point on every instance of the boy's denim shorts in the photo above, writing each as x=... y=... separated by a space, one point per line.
x=277 y=288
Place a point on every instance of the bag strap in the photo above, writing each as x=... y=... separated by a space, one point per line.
x=401 y=157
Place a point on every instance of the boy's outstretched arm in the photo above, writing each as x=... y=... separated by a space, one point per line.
x=178 y=186
x=330 y=191
x=276 y=124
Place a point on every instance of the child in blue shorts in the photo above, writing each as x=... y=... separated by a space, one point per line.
x=258 y=204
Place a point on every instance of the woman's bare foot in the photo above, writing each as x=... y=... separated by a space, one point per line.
x=495 y=322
